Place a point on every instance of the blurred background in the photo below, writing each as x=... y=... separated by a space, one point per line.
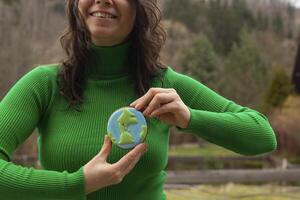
x=246 y=50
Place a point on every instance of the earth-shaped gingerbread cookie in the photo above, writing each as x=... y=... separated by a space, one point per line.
x=127 y=127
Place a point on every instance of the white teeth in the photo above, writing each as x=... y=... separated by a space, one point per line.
x=102 y=15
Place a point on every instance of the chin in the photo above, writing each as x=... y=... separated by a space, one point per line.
x=102 y=32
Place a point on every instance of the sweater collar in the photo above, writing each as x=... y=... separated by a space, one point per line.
x=109 y=62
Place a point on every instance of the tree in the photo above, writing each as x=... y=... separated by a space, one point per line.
x=10 y=2
x=179 y=38
x=278 y=90
x=262 y=21
x=296 y=71
x=245 y=72
x=226 y=21
x=201 y=62
x=291 y=10
x=191 y=14
x=278 y=24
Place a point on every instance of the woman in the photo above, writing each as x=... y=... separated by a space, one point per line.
x=112 y=61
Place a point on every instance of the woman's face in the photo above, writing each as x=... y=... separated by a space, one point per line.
x=109 y=21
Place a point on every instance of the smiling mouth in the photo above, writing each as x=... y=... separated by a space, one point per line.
x=103 y=15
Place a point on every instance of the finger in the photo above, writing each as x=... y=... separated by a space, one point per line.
x=106 y=148
x=158 y=100
x=132 y=165
x=145 y=100
x=134 y=103
x=142 y=101
x=170 y=107
x=130 y=157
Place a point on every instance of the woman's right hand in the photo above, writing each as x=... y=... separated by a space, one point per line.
x=99 y=174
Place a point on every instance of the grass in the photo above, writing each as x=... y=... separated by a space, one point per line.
x=235 y=192
x=209 y=150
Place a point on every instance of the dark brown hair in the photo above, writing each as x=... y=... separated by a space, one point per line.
x=147 y=39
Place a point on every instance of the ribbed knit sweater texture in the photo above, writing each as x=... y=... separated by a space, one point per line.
x=69 y=139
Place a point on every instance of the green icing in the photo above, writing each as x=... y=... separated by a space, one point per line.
x=126 y=138
x=127 y=118
x=143 y=132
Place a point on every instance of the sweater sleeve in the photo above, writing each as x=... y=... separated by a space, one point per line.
x=20 y=112
x=222 y=121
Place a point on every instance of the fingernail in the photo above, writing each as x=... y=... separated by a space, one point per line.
x=137 y=106
x=107 y=138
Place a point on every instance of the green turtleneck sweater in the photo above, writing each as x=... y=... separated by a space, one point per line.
x=69 y=139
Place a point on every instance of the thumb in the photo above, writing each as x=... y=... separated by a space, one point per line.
x=106 y=148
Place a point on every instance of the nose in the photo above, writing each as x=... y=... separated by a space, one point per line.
x=104 y=2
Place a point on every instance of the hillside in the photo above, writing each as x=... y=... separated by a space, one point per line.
x=29 y=34
x=285 y=121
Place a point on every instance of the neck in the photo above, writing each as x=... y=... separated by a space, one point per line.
x=109 y=61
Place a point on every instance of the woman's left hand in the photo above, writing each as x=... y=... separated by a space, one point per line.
x=164 y=104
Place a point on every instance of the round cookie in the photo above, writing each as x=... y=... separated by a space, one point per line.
x=127 y=127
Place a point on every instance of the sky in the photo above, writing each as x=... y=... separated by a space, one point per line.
x=295 y=2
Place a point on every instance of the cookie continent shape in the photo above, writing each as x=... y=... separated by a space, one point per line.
x=127 y=127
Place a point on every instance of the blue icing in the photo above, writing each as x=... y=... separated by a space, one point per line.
x=134 y=129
